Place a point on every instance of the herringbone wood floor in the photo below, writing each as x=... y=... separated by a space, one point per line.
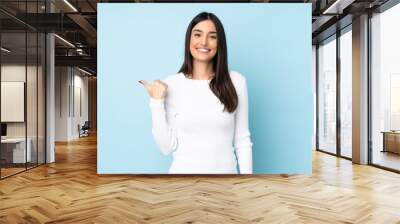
x=70 y=191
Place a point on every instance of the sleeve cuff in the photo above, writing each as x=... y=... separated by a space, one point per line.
x=157 y=103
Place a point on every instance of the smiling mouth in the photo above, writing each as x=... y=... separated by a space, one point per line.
x=203 y=50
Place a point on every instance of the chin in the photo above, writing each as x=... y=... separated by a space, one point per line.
x=202 y=58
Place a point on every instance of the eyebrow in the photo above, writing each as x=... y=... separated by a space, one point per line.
x=202 y=31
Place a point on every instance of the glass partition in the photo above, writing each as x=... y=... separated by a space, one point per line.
x=22 y=78
x=13 y=108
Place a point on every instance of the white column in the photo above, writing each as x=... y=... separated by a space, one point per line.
x=50 y=110
x=50 y=92
x=360 y=90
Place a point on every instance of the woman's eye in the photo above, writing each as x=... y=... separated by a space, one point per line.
x=196 y=35
x=213 y=37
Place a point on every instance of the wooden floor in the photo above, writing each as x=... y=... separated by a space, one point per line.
x=387 y=159
x=70 y=191
x=5 y=172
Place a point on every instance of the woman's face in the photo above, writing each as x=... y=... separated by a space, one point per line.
x=203 y=41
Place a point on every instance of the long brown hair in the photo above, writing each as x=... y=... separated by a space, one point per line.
x=221 y=84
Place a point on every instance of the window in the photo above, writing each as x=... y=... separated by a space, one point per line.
x=327 y=96
x=385 y=88
x=346 y=93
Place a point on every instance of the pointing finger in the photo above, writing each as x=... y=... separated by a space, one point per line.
x=145 y=84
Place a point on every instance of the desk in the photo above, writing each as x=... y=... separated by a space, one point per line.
x=391 y=141
x=17 y=150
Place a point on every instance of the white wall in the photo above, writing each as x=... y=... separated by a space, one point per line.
x=15 y=72
x=9 y=73
x=71 y=94
x=62 y=81
x=79 y=112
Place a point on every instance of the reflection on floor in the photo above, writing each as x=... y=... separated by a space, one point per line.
x=346 y=152
x=386 y=159
x=11 y=169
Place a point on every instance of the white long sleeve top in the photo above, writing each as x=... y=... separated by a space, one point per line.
x=190 y=124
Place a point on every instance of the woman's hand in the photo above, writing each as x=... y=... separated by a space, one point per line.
x=156 y=89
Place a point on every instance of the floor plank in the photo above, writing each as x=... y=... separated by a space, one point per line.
x=70 y=191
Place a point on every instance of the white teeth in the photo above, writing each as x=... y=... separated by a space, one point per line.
x=203 y=50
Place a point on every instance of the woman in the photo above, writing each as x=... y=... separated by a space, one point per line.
x=200 y=112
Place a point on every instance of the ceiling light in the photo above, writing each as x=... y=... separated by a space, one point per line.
x=79 y=51
x=84 y=71
x=5 y=50
x=64 y=40
x=337 y=7
x=70 y=5
x=329 y=9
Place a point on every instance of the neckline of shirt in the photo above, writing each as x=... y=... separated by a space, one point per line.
x=195 y=80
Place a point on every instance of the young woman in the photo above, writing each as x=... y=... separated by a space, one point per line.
x=200 y=115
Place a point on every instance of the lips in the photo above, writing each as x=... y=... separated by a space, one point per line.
x=203 y=50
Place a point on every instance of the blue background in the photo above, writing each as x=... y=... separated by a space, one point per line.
x=270 y=44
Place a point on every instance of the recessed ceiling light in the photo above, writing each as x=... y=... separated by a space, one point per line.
x=5 y=50
x=84 y=71
x=64 y=40
x=70 y=5
x=338 y=6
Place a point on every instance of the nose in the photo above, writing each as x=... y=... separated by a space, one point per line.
x=204 y=40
